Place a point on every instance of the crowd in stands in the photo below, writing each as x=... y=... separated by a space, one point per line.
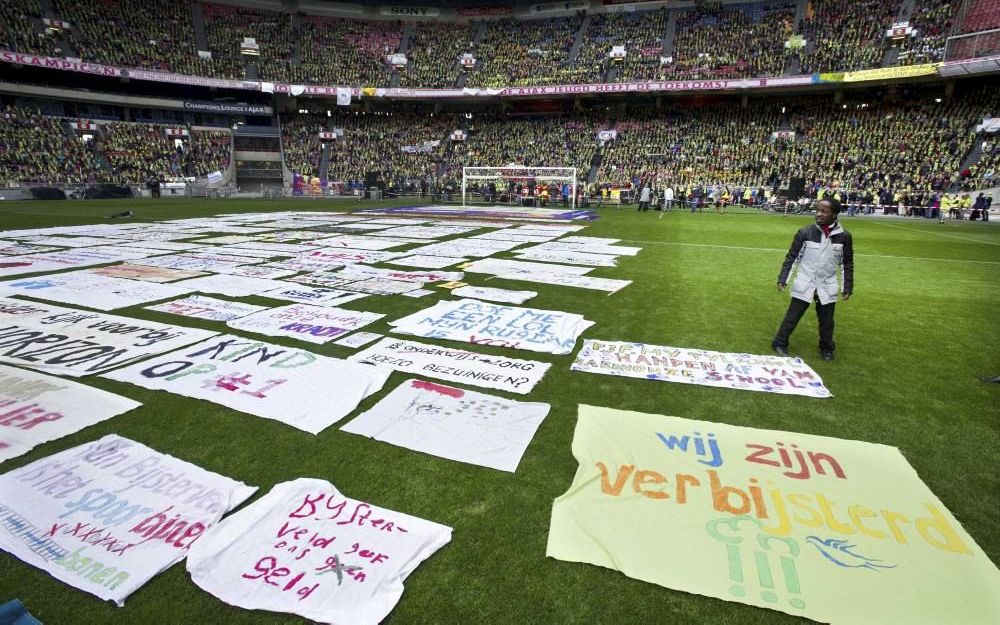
x=151 y=34
x=40 y=149
x=522 y=52
x=846 y=35
x=711 y=40
x=345 y=52
x=300 y=142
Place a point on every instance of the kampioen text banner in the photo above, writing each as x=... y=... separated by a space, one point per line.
x=833 y=530
x=296 y=387
x=748 y=372
x=306 y=549
x=455 y=365
x=72 y=342
x=35 y=408
x=107 y=516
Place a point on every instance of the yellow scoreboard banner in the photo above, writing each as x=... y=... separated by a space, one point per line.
x=882 y=73
x=834 y=530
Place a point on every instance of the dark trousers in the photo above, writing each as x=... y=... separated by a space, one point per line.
x=796 y=308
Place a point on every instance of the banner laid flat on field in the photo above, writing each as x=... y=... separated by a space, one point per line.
x=455 y=365
x=35 y=408
x=453 y=423
x=304 y=548
x=313 y=324
x=834 y=530
x=99 y=292
x=71 y=342
x=202 y=307
x=296 y=387
x=107 y=516
x=748 y=372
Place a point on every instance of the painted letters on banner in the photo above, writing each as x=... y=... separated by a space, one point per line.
x=305 y=548
x=571 y=258
x=360 y=272
x=107 y=516
x=233 y=286
x=455 y=365
x=35 y=408
x=504 y=266
x=453 y=423
x=427 y=262
x=296 y=387
x=91 y=290
x=201 y=307
x=833 y=530
x=313 y=295
x=748 y=372
x=70 y=342
x=609 y=285
x=494 y=295
x=483 y=323
x=313 y=324
x=66 y=259
x=145 y=272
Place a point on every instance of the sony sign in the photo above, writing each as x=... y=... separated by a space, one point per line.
x=408 y=11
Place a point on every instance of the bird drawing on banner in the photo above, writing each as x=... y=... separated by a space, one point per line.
x=839 y=552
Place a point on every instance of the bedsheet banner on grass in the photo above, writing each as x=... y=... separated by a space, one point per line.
x=313 y=324
x=306 y=549
x=834 y=530
x=453 y=423
x=748 y=372
x=455 y=365
x=202 y=307
x=107 y=516
x=484 y=323
x=81 y=288
x=299 y=388
x=35 y=408
x=74 y=343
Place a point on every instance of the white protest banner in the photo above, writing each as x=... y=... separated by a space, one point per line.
x=748 y=372
x=483 y=323
x=247 y=254
x=572 y=258
x=313 y=295
x=589 y=248
x=329 y=280
x=588 y=240
x=91 y=290
x=335 y=256
x=144 y=272
x=17 y=249
x=494 y=295
x=427 y=262
x=107 y=516
x=69 y=241
x=227 y=239
x=455 y=365
x=539 y=227
x=360 y=272
x=290 y=235
x=358 y=339
x=201 y=307
x=313 y=324
x=233 y=286
x=510 y=235
x=417 y=293
x=296 y=387
x=279 y=249
x=500 y=267
x=359 y=242
x=453 y=423
x=167 y=246
x=35 y=408
x=75 y=343
x=425 y=232
x=195 y=261
x=381 y=286
x=259 y=271
x=562 y=279
x=277 y=554
x=475 y=248
x=67 y=259
x=302 y=264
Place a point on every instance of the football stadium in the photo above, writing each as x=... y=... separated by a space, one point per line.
x=556 y=262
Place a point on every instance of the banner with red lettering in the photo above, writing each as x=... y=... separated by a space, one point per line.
x=105 y=517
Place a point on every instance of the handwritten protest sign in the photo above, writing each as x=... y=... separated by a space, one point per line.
x=504 y=266
x=833 y=530
x=428 y=262
x=494 y=295
x=360 y=242
x=358 y=339
x=195 y=261
x=72 y=342
x=35 y=408
x=313 y=324
x=299 y=388
x=201 y=307
x=572 y=258
x=307 y=549
x=474 y=248
x=337 y=256
x=313 y=295
x=563 y=279
x=258 y=271
x=591 y=248
x=67 y=259
x=748 y=372
x=233 y=286
x=453 y=423
x=16 y=249
x=455 y=365
x=91 y=290
x=360 y=272
x=107 y=516
x=483 y=323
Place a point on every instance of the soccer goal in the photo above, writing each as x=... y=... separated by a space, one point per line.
x=508 y=177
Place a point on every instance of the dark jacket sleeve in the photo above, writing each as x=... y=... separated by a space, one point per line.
x=848 y=260
x=793 y=253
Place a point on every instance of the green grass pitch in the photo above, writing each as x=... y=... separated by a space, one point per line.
x=911 y=342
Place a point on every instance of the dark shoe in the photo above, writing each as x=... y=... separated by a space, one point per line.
x=827 y=355
x=779 y=350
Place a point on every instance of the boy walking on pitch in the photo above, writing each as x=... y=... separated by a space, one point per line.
x=818 y=250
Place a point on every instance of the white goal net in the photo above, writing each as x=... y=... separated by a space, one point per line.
x=518 y=184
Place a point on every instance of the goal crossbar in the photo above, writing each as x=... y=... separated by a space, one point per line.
x=520 y=173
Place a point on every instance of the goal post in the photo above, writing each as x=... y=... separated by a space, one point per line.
x=519 y=174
